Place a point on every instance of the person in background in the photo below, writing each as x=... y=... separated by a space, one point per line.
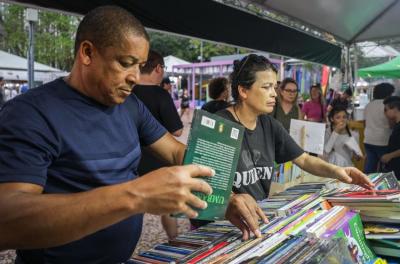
x=330 y=96
x=69 y=187
x=314 y=109
x=377 y=128
x=185 y=102
x=10 y=93
x=339 y=140
x=24 y=88
x=286 y=107
x=2 y=100
x=166 y=84
x=344 y=100
x=218 y=90
x=265 y=141
x=161 y=106
x=391 y=159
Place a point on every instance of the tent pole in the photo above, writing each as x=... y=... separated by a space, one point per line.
x=31 y=16
x=193 y=86
x=355 y=66
x=349 y=73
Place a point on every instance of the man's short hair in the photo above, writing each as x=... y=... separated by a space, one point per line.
x=106 y=26
x=153 y=60
x=382 y=90
x=349 y=92
x=165 y=80
x=392 y=102
x=217 y=86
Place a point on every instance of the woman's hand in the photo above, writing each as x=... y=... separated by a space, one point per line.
x=244 y=213
x=354 y=176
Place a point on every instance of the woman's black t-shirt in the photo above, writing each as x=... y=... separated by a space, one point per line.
x=267 y=143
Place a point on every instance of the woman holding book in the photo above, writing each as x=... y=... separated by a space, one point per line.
x=265 y=140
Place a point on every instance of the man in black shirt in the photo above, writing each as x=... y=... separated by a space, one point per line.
x=392 y=158
x=344 y=100
x=160 y=104
x=218 y=90
x=166 y=84
x=1 y=92
x=157 y=100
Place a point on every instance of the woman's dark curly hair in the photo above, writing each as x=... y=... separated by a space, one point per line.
x=244 y=72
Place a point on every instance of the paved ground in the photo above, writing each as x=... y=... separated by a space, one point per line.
x=152 y=232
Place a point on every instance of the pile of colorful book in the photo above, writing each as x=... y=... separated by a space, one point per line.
x=379 y=210
x=309 y=223
x=220 y=242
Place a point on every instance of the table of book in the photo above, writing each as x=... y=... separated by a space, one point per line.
x=309 y=223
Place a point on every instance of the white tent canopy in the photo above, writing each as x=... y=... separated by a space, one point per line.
x=348 y=20
x=170 y=61
x=13 y=62
x=13 y=67
x=373 y=50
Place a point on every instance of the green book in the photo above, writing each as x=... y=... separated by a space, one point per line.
x=214 y=142
x=352 y=230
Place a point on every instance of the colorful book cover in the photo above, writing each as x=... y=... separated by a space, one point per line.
x=215 y=142
x=369 y=195
x=352 y=230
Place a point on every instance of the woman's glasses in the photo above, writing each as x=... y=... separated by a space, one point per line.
x=290 y=91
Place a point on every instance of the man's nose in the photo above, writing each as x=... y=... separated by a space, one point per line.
x=133 y=76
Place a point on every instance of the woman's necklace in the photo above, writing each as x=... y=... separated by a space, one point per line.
x=245 y=139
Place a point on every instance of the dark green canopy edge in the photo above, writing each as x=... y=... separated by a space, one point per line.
x=210 y=20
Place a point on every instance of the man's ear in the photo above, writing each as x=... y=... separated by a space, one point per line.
x=85 y=52
x=242 y=92
x=158 y=68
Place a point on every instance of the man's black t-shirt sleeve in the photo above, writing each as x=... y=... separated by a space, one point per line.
x=169 y=115
x=286 y=149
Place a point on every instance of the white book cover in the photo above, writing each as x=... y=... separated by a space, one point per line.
x=309 y=135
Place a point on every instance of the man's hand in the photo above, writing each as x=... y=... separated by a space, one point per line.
x=169 y=190
x=353 y=176
x=244 y=212
x=386 y=158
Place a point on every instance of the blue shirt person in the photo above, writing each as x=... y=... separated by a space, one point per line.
x=69 y=191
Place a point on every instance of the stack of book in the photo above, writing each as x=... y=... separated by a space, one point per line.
x=301 y=231
x=381 y=206
x=304 y=228
x=379 y=210
x=382 y=181
x=221 y=243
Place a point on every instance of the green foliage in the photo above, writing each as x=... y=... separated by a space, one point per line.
x=213 y=49
x=172 y=45
x=188 y=49
x=16 y=39
x=54 y=36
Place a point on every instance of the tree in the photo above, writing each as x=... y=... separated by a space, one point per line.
x=54 y=36
x=187 y=48
x=15 y=38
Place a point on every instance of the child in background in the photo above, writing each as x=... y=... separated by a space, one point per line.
x=341 y=143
